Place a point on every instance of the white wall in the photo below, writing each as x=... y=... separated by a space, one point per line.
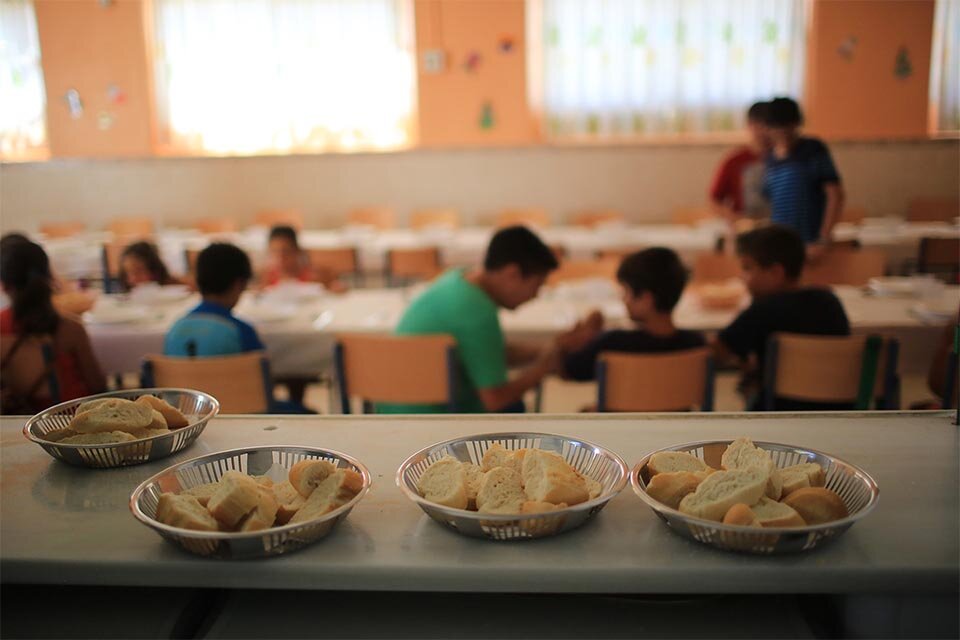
x=646 y=182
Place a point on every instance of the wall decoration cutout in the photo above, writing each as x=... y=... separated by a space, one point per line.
x=472 y=62
x=105 y=120
x=116 y=95
x=434 y=60
x=74 y=103
x=505 y=44
x=902 y=67
x=486 y=116
x=848 y=48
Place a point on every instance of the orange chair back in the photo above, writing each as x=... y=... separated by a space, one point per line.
x=537 y=218
x=592 y=219
x=380 y=218
x=62 y=229
x=126 y=227
x=427 y=218
x=676 y=381
x=336 y=261
x=241 y=383
x=421 y=263
x=933 y=210
x=842 y=265
x=215 y=225
x=275 y=217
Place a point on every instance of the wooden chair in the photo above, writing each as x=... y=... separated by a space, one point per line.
x=537 y=218
x=241 y=383
x=410 y=264
x=676 y=381
x=715 y=267
x=584 y=269
x=275 y=217
x=940 y=256
x=396 y=369
x=380 y=218
x=53 y=230
x=691 y=216
x=435 y=218
x=841 y=265
x=31 y=366
x=215 y=225
x=832 y=369
x=336 y=261
x=853 y=215
x=131 y=227
x=933 y=210
x=591 y=219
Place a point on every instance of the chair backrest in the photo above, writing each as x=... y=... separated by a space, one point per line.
x=378 y=217
x=841 y=265
x=939 y=254
x=241 y=383
x=933 y=209
x=674 y=381
x=426 y=218
x=853 y=215
x=400 y=369
x=420 y=263
x=27 y=366
x=137 y=226
x=691 y=215
x=584 y=269
x=275 y=217
x=594 y=218
x=336 y=261
x=715 y=266
x=532 y=217
x=831 y=369
x=62 y=229
x=215 y=225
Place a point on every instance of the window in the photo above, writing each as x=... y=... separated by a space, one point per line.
x=274 y=76
x=23 y=130
x=945 y=68
x=624 y=68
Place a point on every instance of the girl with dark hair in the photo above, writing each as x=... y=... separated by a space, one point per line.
x=140 y=263
x=32 y=321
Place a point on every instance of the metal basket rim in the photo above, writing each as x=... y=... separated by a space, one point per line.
x=661 y=508
x=497 y=517
x=248 y=535
x=28 y=427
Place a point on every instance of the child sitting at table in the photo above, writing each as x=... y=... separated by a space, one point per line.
x=772 y=260
x=286 y=261
x=30 y=321
x=140 y=263
x=652 y=281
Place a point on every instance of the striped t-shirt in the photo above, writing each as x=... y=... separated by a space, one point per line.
x=794 y=186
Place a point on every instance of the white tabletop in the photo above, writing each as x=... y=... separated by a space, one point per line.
x=68 y=525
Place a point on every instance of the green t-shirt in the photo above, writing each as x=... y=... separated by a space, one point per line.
x=456 y=307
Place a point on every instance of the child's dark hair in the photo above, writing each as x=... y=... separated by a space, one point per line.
x=759 y=112
x=150 y=257
x=284 y=232
x=784 y=112
x=219 y=266
x=25 y=273
x=657 y=270
x=772 y=245
x=522 y=247
x=12 y=238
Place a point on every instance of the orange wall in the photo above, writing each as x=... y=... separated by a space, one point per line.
x=862 y=98
x=451 y=102
x=88 y=47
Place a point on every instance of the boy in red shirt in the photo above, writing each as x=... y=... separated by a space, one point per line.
x=737 y=188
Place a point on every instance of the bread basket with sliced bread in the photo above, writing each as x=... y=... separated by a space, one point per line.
x=122 y=428
x=755 y=497
x=512 y=486
x=253 y=502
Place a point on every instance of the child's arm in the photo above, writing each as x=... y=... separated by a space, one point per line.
x=831 y=215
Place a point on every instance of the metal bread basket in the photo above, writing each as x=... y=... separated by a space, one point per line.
x=855 y=487
x=602 y=465
x=197 y=406
x=271 y=461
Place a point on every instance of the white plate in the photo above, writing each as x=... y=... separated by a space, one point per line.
x=156 y=294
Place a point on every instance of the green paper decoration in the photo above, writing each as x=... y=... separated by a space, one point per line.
x=769 y=32
x=681 y=32
x=17 y=78
x=486 y=116
x=902 y=67
x=639 y=37
x=553 y=35
x=727 y=33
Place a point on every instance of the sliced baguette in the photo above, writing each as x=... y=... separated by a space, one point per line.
x=817 y=505
x=101 y=437
x=801 y=476
x=670 y=487
x=202 y=492
x=334 y=492
x=139 y=434
x=501 y=491
x=723 y=489
x=742 y=516
x=237 y=495
x=114 y=414
x=289 y=501
x=473 y=477
x=667 y=461
x=742 y=454
x=547 y=477
x=306 y=475
x=532 y=506
x=498 y=456
x=445 y=482
x=185 y=512
x=173 y=417
x=263 y=516
x=771 y=513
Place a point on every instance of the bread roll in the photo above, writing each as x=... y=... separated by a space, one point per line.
x=93 y=404
x=667 y=461
x=237 y=495
x=202 y=492
x=264 y=514
x=501 y=491
x=742 y=516
x=594 y=488
x=307 y=474
x=185 y=512
x=742 y=454
x=174 y=418
x=817 y=505
x=539 y=526
x=445 y=483
x=498 y=456
x=159 y=422
x=263 y=481
x=102 y=437
x=771 y=513
x=723 y=489
x=473 y=477
x=113 y=414
x=801 y=476
x=671 y=487
x=289 y=501
x=331 y=494
x=547 y=477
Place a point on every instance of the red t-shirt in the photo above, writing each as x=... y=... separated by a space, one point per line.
x=728 y=182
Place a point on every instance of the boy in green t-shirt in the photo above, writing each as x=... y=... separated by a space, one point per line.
x=465 y=304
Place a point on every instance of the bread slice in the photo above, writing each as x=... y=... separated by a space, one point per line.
x=771 y=513
x=334 y=492
x=159 y=422
x=307 y=474
x=594 y=488
x=742 y=516
x=202 y=492
x=140 y=434
x=184 y=512
x=547 y=477
x=263 y=516
x=498 y=456
x=501 y=491
x=115 y=415
x=102 y=437
x=58 y=434
x=817 y=505
x=722 y=489
x=93 y=404
x=532 y=506
x=173 y=417
x=801 y=476
x=445 y=483
x=288 y=499
x=742 y=454
x=667 y=461
x=473 y=477
x=238 y=495
x=671 y=487
x=263 y=481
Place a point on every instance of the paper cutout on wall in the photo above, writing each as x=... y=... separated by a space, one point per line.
x=115 y=94
x=902 y=67
x=472 y=62
x=505 y=44
x=847 y=48
x=486 y=116
x=74 y=103
x=434 y=60
x=105 y=120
